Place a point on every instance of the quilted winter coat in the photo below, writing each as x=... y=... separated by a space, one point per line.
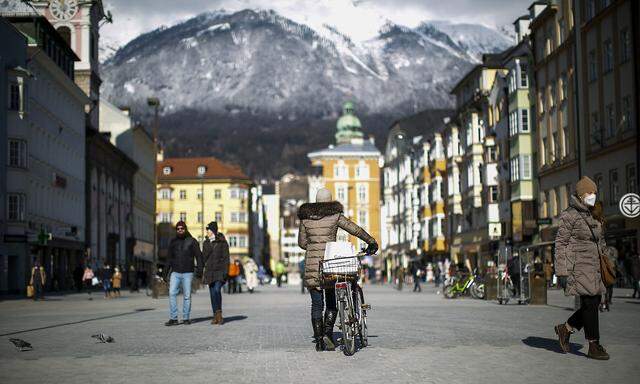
x=319 y=223
x=577 y=250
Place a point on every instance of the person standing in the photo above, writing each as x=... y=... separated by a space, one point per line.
x=183 y=250
x=578 y=244
x=87 y=278
x=105 y=275
x=635 y=270
x=38 y=280
x=417 y=274
x=215 y=255
x=548 y=272
x=319 y=223
x=132 y=278
x=280 y=270
x=250 y=273
x=117 y=281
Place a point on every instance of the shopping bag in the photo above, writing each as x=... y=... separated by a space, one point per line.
x=30 y=290
x=95 y=281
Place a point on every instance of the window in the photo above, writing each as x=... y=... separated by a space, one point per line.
x=563 y=87
x=541 y=100
x=340 y=171
x=183 y=216
x=526 y=167
x=543 y=153
x=362 y=218
x=632 y=184
x=165 y=217
x=614 y=195
x=362 y=171
x=524 y=116
x=524 y=76
x=238 y=193
x=165 y=194
x=626 y=113
x=166 y=170
x=562 y=28
x=236 y=241
x=363 y=193
x=593 y=66
x=200 y=216
x=202 y=170
x=199 y=194
x=595 y=129
x=14 y=97
x=183 y=194
x=17 y=153
x=513 y=126
x=598 y=180
x=553 y=203
x=552 y=96
x=611 y=121
x=469 y=175
x=491 y=154
x=238 y=217
x=607 y=56
x=515 y=169
x=625 y=46
x=217 y=194
x=564 y=120
x=493 y=194
x=341 y=194
x=233 y=241
x=16 y=207
x=218 y=217
x=542 y=205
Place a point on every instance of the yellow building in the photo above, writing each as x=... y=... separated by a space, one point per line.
x=199 y=190
x=350 y=170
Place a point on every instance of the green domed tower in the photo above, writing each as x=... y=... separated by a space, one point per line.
x=348 y=125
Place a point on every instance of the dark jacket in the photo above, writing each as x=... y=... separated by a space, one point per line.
x=182 y=253
x=577 y=250
x=216 y=259
x=319 y=223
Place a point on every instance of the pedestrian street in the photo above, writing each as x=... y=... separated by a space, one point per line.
x=267 y=338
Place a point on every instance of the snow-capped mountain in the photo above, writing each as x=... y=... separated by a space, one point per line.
x=262 y=66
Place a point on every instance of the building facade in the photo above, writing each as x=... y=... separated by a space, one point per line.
x=136 y=142
x=45 y=198
x=199 y=190
x=350 y=170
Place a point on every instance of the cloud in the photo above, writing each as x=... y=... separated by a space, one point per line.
x=131 y=18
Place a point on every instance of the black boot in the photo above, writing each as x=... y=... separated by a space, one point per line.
x=318 y=327
x=329 y=321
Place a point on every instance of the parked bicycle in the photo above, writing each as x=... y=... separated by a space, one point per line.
x=472 y=284
x=352 y=308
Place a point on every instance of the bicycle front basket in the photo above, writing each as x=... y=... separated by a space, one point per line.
x=341 y=266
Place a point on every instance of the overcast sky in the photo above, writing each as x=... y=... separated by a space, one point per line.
x=133 y=17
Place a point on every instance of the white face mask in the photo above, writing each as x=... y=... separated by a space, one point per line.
x=590 y=199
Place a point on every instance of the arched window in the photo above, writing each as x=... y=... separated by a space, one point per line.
x=65 y=33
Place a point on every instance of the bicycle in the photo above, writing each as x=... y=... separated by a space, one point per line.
x=471 y=284
x=352 y=309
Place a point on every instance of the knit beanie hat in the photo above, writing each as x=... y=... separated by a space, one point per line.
x=323 y=196
x=586 y=185
x=213 y=227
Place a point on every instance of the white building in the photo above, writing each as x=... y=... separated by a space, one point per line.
x=138 y=145
x=46 y=163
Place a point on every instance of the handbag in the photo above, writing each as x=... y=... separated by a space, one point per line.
x=30 y=291
x=607 y=272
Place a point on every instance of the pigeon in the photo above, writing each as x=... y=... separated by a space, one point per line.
x=102 y=338
x=21 y=345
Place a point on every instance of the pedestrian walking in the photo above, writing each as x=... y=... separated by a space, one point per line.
x=87 y=279
x=38 y=280
x=417 y=274
x=116 y=281
x=578 y=243
x=250 y=273
x=105 y=275
x=233 y=275
x=319 y=223
x=280 y=270
x=635 y=270
x=215 y=255
x=183 y=250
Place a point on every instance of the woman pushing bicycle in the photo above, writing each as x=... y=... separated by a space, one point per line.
x=319 y=223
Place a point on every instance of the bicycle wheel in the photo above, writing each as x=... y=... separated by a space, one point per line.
x=348 y=339
x=362 y=319
x=449 y=291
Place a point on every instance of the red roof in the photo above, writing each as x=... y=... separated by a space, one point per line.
x=187 y=168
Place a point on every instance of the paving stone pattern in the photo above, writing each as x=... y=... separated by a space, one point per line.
x=415 y=337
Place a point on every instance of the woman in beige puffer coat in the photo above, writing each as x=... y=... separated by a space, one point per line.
x=579 y=241
x=319 y=223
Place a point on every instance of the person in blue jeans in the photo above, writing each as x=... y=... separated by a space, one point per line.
x=183 y=250
x=215 y=251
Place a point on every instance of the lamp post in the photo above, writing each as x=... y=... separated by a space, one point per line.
x=154 y=102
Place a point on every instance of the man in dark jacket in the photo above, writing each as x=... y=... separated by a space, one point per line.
x=182 y=251
x=215 y=251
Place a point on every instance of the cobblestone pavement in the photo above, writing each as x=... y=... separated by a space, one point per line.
x=415 y=337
